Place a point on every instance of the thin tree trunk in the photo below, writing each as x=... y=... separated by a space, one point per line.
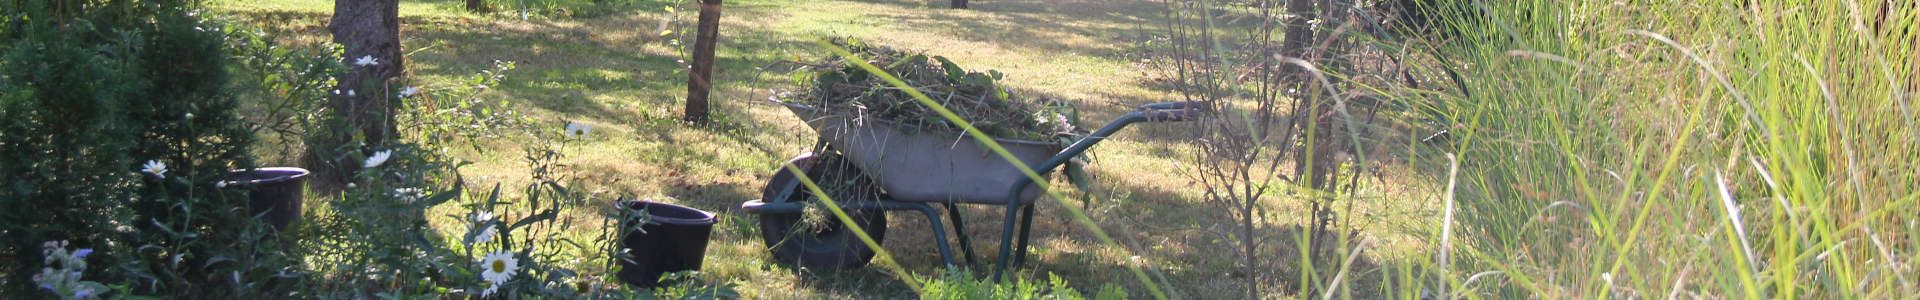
x=699 y=82
x=370 y=32
x=958 y=4
x=1298 y=36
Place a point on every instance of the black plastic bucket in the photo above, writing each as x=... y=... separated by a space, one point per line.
x=276 y=192
x=674 y=239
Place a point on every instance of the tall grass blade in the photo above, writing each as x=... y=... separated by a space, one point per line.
x=1734 y=219
x=1334 y=284
x=1446 y=223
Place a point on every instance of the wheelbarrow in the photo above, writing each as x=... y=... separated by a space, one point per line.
x=872 y=166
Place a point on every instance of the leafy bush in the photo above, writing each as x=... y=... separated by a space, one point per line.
x=118 y=126
x=281 y=89
x=376 y=238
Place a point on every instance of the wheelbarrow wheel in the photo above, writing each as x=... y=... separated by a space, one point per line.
x=823 y=242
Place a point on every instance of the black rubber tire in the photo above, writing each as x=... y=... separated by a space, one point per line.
x=835 y=246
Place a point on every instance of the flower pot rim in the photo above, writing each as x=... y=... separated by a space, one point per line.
x=288 y=174
x=706 y=217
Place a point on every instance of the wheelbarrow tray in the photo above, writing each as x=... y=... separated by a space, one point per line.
x=928 y=166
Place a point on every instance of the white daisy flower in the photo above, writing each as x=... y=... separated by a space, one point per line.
x=482 y=216
x=366 y=61
x=486 y=235
x=498 y=267
x=155 y=167
x=577 y=129
x=378 y=158
x=490 y=290
x=409 y=91
x=409 y=194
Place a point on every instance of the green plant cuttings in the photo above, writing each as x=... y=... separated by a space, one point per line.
x=838 y=87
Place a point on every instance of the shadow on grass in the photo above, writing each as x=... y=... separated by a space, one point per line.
x=1186 y=243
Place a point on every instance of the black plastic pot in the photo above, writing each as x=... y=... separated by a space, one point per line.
x=674 y=239
x=275 y=192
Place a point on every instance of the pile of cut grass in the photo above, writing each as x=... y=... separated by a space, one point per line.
x=839 y=87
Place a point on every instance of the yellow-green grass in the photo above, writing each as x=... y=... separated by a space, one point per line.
x=618 y=73
x=1716 y=149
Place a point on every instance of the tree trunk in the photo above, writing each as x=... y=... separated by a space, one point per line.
x=699 y=82
x=478 y=6
x=1298 y=35
x=369 y=30
x=958 y=4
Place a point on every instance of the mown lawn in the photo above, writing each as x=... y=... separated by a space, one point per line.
x=610 y=66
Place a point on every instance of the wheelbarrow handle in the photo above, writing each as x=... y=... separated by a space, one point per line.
x=1173 y=111
x=1173 y=105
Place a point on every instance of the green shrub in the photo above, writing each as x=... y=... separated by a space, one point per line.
x=280 y=88
x=92 y=93
x=376 y=238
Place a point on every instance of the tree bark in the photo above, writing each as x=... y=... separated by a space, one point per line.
x=478 y=6
x=363 y=102
x=699 y=81
x=1299 y=33
x=958 y=4
x=1313 y=161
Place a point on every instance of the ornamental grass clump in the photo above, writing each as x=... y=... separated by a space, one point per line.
x=839 y=87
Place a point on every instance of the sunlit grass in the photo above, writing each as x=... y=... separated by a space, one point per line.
x=617 y=73
x=1706 y=149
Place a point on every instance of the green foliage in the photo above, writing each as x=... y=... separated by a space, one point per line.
x=691 y=285
x=376 y=232
x=443 y=117
x=379 y=232
x=960 y=285
x=93 y=92
x=281 y=87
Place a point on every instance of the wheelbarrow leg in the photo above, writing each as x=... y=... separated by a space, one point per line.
x=1006 y=240
x=960 y=232
x=1026 y=226
x=939 y=234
